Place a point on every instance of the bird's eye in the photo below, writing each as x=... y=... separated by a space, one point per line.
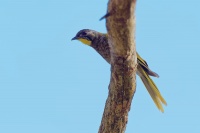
x=84 y=33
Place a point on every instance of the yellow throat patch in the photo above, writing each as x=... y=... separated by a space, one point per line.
x=85 y=41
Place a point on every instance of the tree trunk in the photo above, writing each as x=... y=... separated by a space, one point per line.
x=120 y=23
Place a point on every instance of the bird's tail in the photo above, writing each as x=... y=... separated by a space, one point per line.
x=151 y=88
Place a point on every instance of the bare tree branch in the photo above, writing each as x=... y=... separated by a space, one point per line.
x=120 y=24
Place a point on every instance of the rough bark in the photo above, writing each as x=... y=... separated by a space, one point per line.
x=120 y=23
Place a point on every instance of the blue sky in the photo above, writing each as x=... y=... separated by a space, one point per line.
x=49 y=83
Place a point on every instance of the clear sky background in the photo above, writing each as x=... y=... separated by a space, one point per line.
x=50 y=84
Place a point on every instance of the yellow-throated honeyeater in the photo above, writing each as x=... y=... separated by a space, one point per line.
x=99 y=42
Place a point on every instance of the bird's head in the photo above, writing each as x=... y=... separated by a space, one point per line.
x=86 y=36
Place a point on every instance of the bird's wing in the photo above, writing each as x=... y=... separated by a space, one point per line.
x=144 y=65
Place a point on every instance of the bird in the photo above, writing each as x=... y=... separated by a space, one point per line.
x=99 y=42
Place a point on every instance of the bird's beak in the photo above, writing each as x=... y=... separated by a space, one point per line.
x=75 y=38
